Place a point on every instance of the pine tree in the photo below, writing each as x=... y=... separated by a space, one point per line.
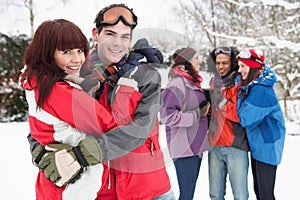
x=13 y=106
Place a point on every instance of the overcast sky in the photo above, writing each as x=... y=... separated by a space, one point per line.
x=151 y=14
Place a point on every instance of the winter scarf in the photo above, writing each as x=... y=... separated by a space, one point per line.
x=177 y=70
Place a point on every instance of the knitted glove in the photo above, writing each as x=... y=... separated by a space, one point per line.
x=66 y=163
x=203 y=109
x=89 y=84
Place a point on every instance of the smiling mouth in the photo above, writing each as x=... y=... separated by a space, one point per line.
x=72 y=67
x=115 y=50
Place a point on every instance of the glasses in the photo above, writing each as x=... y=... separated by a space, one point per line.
x=246 y=55
x=112 y=15
x=224 y=50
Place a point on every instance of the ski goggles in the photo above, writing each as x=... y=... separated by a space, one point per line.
x=224 y=50
x=113 y=14
x=246 y=55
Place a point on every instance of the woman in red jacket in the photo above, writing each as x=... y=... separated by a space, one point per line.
x=60 y=112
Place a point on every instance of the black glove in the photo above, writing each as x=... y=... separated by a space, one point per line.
x=207 y=95
x=131 y=64
x=152 y=55
x=203 y=109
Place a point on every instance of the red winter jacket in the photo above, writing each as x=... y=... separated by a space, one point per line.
x=229 y=132
x=141 y=173
x=68 y=115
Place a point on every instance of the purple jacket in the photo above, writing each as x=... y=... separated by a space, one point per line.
x=186 y=135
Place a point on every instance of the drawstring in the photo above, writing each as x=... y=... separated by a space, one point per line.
x=109 y=182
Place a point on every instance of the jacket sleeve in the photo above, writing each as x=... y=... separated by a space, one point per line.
x=229 y=111
x=259 y=103
x=33 y=143
x=123 y=139
x=78 y=109
x=171 y=111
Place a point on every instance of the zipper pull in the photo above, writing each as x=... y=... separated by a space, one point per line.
x=151 y=148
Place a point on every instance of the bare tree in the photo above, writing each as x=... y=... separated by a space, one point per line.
x=270 y=26
x=29 y=5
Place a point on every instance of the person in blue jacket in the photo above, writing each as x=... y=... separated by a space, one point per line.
x=259 y=111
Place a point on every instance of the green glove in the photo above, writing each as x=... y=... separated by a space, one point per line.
x=66 y=163
x=202 y=110
x=37 y=154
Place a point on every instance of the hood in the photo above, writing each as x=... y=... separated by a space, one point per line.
x=267 y=78
x=23 y=81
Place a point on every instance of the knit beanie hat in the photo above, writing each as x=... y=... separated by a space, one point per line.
x=183 y=55
x=254 y=58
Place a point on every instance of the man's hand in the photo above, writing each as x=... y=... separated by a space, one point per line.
x=89 y=84
x=64 y=164
x=152 y=55
x=37 y=154
x=216 y=98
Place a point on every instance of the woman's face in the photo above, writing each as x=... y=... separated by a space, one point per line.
x=243 y=70
x=113 y=42
x=70 y=60
x=195 y=61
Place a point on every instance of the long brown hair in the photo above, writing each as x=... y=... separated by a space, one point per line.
x=57 y=34
x=253 y=74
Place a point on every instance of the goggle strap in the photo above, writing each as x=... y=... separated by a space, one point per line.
x=122 y=18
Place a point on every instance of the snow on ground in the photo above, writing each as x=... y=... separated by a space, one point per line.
x=18 y=174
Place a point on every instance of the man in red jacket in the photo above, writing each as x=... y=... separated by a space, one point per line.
x=134 y=165
x=229 y=153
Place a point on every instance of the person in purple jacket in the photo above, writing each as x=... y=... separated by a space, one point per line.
x=184 y=113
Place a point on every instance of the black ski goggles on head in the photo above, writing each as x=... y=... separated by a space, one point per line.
x=224 y=50
x=246 y=55
x=113 y=14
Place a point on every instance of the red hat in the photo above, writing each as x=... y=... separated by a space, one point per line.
x=253 y=58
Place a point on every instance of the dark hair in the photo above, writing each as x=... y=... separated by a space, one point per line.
x=187 y=66
x=39 y=56
x=252 y=75
x=211 y=60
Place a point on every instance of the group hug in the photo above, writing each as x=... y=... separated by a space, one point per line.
x=94 y=115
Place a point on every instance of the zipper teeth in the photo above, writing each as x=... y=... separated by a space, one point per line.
x=109 y=182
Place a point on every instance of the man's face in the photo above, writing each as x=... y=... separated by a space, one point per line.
x=113 y=42
x=223 y=64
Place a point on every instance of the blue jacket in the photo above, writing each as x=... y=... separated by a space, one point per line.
x=186 y=135
x=260 y=113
